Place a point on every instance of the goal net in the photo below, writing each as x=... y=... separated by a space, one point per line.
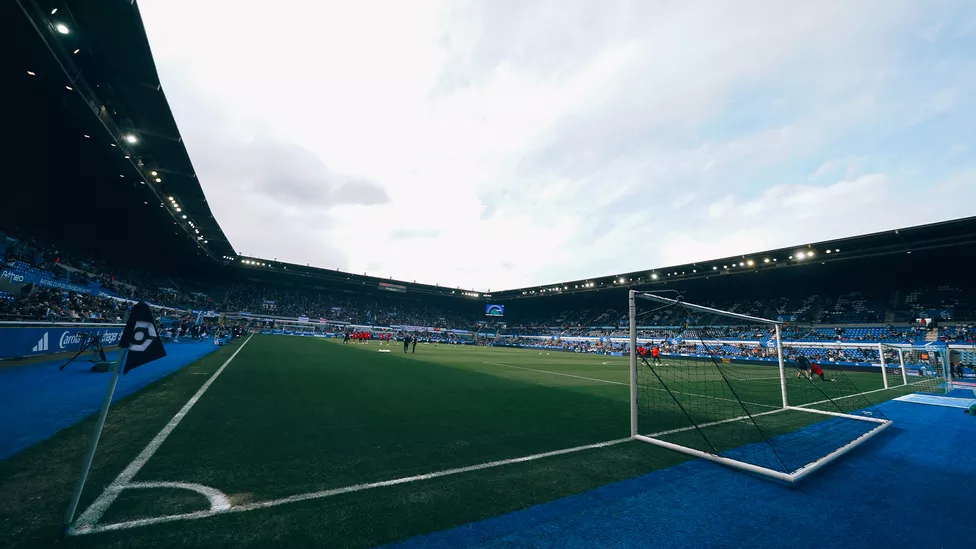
x=720 y=385
x=923 y=367
x=877 y=359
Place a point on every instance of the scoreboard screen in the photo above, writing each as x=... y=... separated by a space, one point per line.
x=494 y=310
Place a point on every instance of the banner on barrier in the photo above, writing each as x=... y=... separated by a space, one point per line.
x=22 y=277
x=11 y=282
x=18 y=342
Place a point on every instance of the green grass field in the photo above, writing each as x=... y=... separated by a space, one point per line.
x=301 y=434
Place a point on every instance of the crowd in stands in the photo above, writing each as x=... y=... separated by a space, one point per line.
x=56 y=305
x=101 y=283
x=318 y=304
x=107 y=285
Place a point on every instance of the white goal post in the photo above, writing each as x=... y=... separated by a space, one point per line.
x=707 y=402
x=925 y=366
x=892 y=370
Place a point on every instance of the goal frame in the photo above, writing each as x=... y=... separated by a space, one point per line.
x=788 y=477
x=943 y=351
x=879 y=347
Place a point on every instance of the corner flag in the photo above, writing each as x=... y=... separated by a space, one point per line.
x=140 y=338
x=141 y=344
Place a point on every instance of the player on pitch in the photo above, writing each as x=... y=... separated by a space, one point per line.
x=819 y=372
x=644 y=352
x=656 y=355
x=803 y=366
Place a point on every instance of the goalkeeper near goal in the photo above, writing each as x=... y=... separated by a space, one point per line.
x=804 y=367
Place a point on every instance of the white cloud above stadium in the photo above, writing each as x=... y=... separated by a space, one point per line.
x=501 y=144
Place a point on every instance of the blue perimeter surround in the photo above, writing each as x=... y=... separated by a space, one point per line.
x=904 y=488
x=38 y=400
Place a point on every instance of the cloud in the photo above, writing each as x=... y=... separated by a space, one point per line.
x=286 y=174
x=519 y=143
x=408 y=234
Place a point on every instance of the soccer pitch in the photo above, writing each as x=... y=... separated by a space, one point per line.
x=309 y=441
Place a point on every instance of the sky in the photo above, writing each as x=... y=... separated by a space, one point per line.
x=500 y=144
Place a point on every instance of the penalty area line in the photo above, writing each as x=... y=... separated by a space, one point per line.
x=338 y=491
x=87 y=521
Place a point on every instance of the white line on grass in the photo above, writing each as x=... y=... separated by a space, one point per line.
x=218 y=500
x=87 y=521
x=337 y=491
x=628 y=384
x=558 y=373
x=858 y=394
x=713 y=423
x=744 y=418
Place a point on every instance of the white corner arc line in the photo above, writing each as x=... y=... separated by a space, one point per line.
x=218 y=500
x=91 y=516
x=93 y=529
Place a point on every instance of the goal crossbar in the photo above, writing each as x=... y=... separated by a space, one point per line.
x=847 y=441
x=703 y=308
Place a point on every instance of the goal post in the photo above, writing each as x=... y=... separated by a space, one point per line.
x=722 y=386
x=869 y=358
x=924 y=367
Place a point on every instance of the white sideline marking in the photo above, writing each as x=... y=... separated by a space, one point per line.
x=800 y=406
x=628 y=384
x=91 y=516
x=710 y=424
x=754 y=378
x=333 y=492
x=857 y=394
x=558 y=373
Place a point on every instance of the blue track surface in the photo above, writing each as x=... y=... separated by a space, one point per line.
x=904 y=488
x=37 y=400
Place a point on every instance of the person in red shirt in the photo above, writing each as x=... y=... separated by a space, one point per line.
x=817 y=371
x=656 y=355
x=644 y=353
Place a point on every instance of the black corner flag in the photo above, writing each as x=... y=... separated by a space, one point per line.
x=140 y=338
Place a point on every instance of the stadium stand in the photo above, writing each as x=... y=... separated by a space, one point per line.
x=94 y=291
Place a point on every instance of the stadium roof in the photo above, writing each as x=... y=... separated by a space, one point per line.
x=960 y=232
x=116 y=127
x=99 y=54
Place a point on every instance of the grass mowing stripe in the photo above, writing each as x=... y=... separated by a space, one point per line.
x=344 y=490
x=95 y=511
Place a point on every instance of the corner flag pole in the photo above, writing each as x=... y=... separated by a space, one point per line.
x=69 y=516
